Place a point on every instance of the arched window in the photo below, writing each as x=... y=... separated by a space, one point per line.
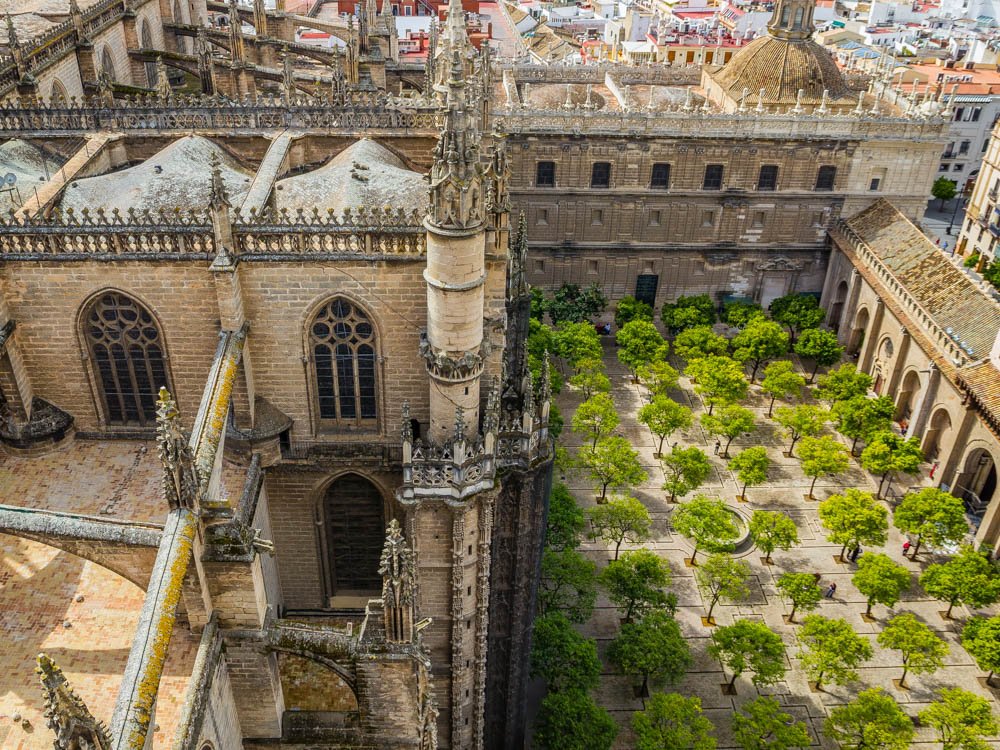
x=108 y=63
x=146 y=42
x=59 y=94
x=798 y=18
x=129 y=358
x=343 y=347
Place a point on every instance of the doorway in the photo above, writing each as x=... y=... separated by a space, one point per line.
x=353 y=527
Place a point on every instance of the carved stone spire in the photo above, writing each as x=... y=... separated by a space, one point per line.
x=180 y=480
x=105 y=89
x=66 y=714
x=163 y=90
x=517 y=285
x=259 y=18
x=287 y=75
x=455 y=26
x=430 y=78
x=364 y=24
x=456 y=175
x=206 y=67
x=76 y=17
x=396 y=569
x=237 y=51
x=338 y=86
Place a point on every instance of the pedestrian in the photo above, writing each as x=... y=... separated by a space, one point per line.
x=906 y=547
x=830 y=591
x=718 y=444
x=674 y=446
x=854 y=554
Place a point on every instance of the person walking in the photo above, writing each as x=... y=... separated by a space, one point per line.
x=906 y=548
x=830 y=591
x=853 y=557
x=718 y=445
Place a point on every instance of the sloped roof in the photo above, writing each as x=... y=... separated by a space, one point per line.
x=949 y=296
x=28 y=164
x=365 y=173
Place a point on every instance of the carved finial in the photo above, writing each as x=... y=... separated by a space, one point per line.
x=760 y=102
x=105 y=89
x=406 y=428
x=518 y=259
x=180 y=481
x=859 y=110
x=163 y=90
x=545 y=387
x=396 y=569
x=459 y=423
x=492 y=415
x=455 y=25
x=797 y=109
x=823 y=109
x=687 y=100
x=743 y=99
x=219 y=196
x=287 y=74
x=66 y=714
x=12 y=41
x=236 y=49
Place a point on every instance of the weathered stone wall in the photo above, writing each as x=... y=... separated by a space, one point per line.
x=221 y=722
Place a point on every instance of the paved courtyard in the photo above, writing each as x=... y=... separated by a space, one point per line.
x=783 y=492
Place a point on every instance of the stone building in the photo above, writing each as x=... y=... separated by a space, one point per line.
x=981 y=226
x=930 y=337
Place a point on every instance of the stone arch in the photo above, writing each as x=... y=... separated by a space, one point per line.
x=937 y=429
x=108 y=63
x=127 y=356
x=883 y=355
x=352 y=512
x=858 y=331
x=58 y=94
x=837 y=308
x=345 y=375
x=311 y=682
x=976 y=483
x=909 y=395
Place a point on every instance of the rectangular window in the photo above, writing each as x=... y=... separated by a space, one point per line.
x=826 y=177
x=958 y=113
x=545 y=174
x=963 y=147
x=591 y=266
x=713 y=177
x=943 y=168
x=600 y=174
x=758 y=219
x=957 y=168
x=976 y=113
x=768 y=177
x=708 y=218
x=597 y=217
x=875 y=184
x=645 y=287
x=542 y=217
x=654 y=218
x=660 y=177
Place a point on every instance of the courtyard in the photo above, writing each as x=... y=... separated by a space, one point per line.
x=785 y=491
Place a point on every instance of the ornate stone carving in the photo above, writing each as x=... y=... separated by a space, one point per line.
x=445 y=367
x=66 y=714
x=180 y=481
x=396 y=569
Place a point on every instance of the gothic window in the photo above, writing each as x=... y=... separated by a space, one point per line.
x=713 y=177
x=600 y=174
x=127 y=350
x=342 y=339
x=59 y=94
x=768 y=177
x=545 y=175
x=826 y=177
x=108 y=63
x=660 y=177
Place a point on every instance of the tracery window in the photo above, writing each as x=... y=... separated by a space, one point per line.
x=342 y=339
x=129 y=360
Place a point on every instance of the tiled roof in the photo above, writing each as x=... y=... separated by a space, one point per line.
x=954 y=301
x=982 y=381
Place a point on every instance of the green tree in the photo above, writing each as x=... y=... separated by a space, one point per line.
x=635 y=583
x=760 y=724
x=538 y=304
x=568 y=584
x=541 y=339
x=738 y=313
x=801 y=589
x=944 y=190
x=562 y=657
x=663 y=417
x=722 y=577
x=595 y=417
x=753 y=646
x=629 y=309
x=781 y=381
x=872 y=721
x=758 y=343
x=575 y=305
x=685 y=470
x=613 y=463
x=718 y=380
x=699 y=341
x=638 y=342
x=880 y=579
x=572 y=721
x=981 y=638
x=962 y=719
x=802 y=420
x=731 y=422
x=577 y=342
x=830 y=648
x=860 y=417
x=797 y=312
x=935 y=516
x=923 y=651
x=750 y=465
x=687 y=312
x=624 y=519
x=652 y=648
x=707 y=523
x=565 y=521
x=771 y=530
x=591 y=382
x=672 y=722
x=887 y=454
x=658 y=377
x=967 y=578
x=854 y=519
x=821 y=347
x=822 y=456
x=843 y=383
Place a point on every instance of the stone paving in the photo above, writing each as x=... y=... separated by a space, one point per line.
x=784 y=491
x=42 y=590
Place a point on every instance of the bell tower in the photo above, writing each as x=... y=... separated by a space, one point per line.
x=792 y=20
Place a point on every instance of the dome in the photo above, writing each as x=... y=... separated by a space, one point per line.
x=782 y=67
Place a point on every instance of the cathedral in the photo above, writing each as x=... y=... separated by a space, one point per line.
x=290 y=309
